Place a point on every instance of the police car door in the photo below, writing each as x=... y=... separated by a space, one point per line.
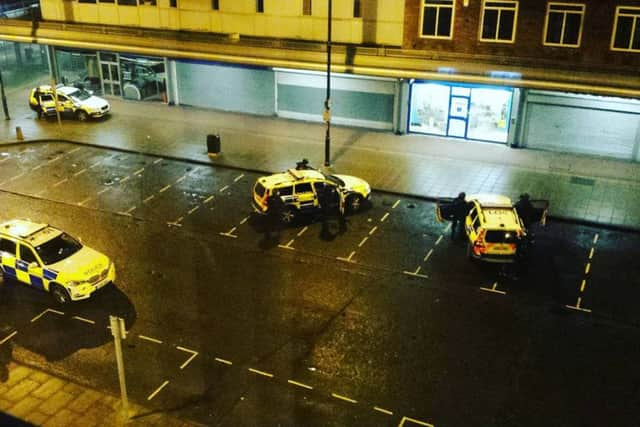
x=305 y=196
x=65 y=105
x=8 y=258
x=29 y=267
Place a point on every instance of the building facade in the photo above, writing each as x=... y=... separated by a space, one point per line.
x=549 y=75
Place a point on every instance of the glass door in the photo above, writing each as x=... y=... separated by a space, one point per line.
x=110 y=70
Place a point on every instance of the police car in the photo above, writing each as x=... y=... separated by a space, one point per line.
x=300 y=190
x=72 y=101
x=46 y=258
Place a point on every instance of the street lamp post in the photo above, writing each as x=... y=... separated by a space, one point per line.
x=327 y=102
x=4 y=99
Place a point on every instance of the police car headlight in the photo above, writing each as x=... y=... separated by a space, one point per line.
x=74 y=283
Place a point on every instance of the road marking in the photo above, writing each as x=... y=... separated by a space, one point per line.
x=152 y=395
x=104 y=190
x=384 y=411
x=288 y=245
x=346 y=399
x=493 y=289
x=384 y=217
x=181 y=179
x=595 y=239
x=131 y=209
x=208 y=199
x=395 y=204
x=245 y=219
x=148 y=198
x=577 y=306
x=416 y=273
x=301 y=232
x=264 y=374
x=587 y=268
x=584 y=283
x=45 y=312
x=17 y=176
x=95 y=164
x=62 y=181
x=347 y=259
x=139 y=171
x=143 y=337
x=8 y=337
x=125 y=179
x=226 y=362
x=224 y=188
x=193 y=355
x=155 y=162
x=414 y=421
x=363 y=241
x=74 y=150
x=373 y=230
x=193 y=209
x=308 y=387
x=238 y=178
x=85 y=201
x=591 y=253
x=165 y=188
x=54 y=159
x=80 y=172
x=82 y=319
x=35 y=168
x=229 y=235
x=428 y=255
x=439 y=239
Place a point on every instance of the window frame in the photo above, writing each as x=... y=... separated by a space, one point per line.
x=438 y=4
x=215 y=4
x=357 y=8
x=636 y=22
x=307 y=7
x=259 y=6
x=564 y=20
x=515 y=10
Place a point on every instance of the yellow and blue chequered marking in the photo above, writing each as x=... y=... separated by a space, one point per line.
x=17 y=269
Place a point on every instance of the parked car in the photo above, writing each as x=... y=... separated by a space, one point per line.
x=71 y=101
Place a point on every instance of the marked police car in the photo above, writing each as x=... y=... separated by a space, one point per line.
x=46 y=258
x=73 y=101
x=300 y=188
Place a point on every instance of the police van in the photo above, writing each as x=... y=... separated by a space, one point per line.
x=51 y=260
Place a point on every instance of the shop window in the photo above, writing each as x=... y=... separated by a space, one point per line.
x=499 y=21
x=127 y=2
x=563 y=25
x=626 y=29
x=260 y=6
x=437 y=19
x=86 y=1
x=107 y=1
x=143 y=79
x=173 y=3
x=357 y=9
x=148 y=2
x=215 y=4
x=306 y=7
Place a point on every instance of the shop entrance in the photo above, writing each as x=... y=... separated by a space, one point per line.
x=110 y=73
x=462 y=111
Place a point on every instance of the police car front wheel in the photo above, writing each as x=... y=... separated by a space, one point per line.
x=82 y=115
x=354 y=203
x=60 y=295
x=288 y=215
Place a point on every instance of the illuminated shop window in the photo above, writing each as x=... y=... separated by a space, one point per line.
x=626 y=29
x=499 y=21
x=306 y=7
x=437 y=19
x=563 y=25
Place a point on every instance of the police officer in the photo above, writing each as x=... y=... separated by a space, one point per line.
x=459 y=212
x=275 y=210
x=525 y=210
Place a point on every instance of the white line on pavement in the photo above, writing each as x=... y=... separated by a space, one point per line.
x=7 y=338
x=194 y=209
x=155 y=162
x=181 y=179
x=45 y=312
x=144 y=337
x=226 y=362
x=193 y=355
x=245 y=219
x=439 y=240
x=148 y=198
x=384 y=217
x=82 y=319
x=152 y=395
x=80 y=172
x=85 y=201
x=208 y=199
x=373 y=230
x=428 y=255
x=165 y=188
x=224 y=188
x=308 y=387
x=62 y=181
x=362 y=242
x=131 y=209
x=125 y=179
x=395 y=204
x=346 y=399
x=264 y=374
x=105 y=189
x=238 y=178
x=301 y=232
x=139 y=171
x=384 y=411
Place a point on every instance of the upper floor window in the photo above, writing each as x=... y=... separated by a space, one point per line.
x=626 y=29
x=306 y=7
x=215 y=4
x=357 y=9
x=128 y=2
x=86 y=1
x=437 y=19
x=498 y=22
x=563 y=26
x=260 y=6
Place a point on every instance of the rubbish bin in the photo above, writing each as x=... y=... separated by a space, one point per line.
x=213 y=144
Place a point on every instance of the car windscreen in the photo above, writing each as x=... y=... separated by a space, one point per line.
x=58 y=248
x=80 y=95
x=259 y=190
x=500 y=236
x=335 y=180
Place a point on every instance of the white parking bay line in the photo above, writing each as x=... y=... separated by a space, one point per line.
x=152 y=395
x=146 y=338
x=264 y=374
x=384 y=411
x=308 y=387
x=80 y=172
x=82 y=319
x=165 y=188
x=48 y=310
x=148 y=198
x=193 y=355
x=223 y=361
x=346 y=399
x=8 y=337
x=62 y=181
x=238 y=178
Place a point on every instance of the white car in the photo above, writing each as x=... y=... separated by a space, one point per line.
x=71 y=101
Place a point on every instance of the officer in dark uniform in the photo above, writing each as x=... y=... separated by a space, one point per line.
x=525 y=210
x=275 y=210
x=459 y=212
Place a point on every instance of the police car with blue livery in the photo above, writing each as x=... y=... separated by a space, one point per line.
x=49 y=259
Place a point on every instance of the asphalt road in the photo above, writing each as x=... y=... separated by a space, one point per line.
x=387 y=323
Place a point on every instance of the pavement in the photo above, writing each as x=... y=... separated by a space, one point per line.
x=580 y=188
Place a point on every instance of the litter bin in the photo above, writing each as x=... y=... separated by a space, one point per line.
x=213 y=144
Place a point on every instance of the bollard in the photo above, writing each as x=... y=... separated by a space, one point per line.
x=19 y=134
x=213 y=144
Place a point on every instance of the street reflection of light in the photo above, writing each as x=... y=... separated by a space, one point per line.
x=505 y=75
x=446 y=70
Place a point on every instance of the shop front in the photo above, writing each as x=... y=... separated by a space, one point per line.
x=471 y=112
